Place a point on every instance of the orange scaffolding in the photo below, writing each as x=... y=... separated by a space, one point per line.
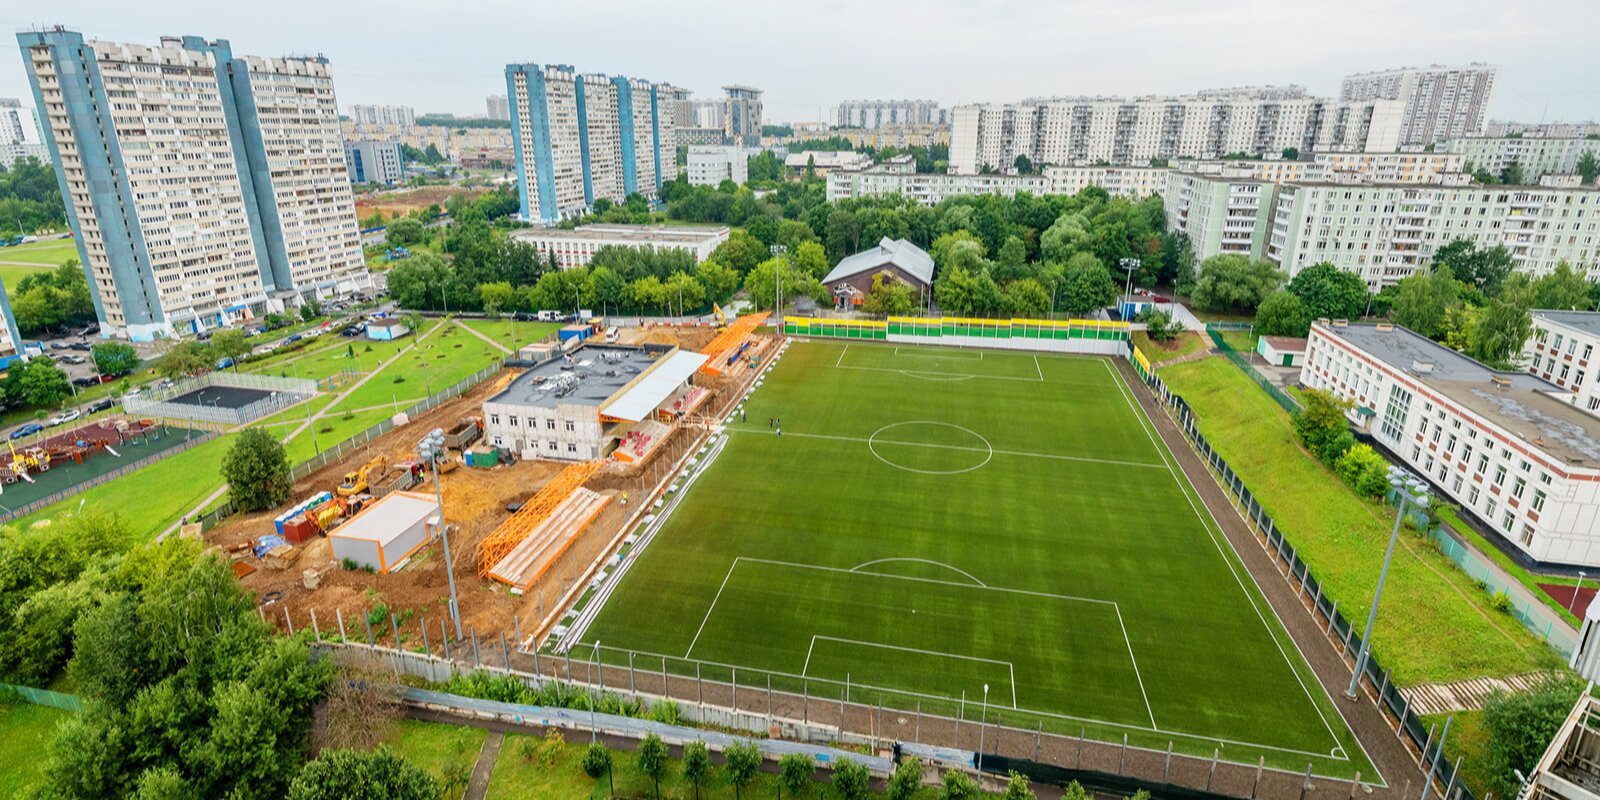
x=517 y=527
x=729 y=339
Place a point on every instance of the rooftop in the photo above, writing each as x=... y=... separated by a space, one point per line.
x=389 y=516
x=900 y=253
x=1530 y=408
x=1585 y=321
x=643 y=234
x=587 y=376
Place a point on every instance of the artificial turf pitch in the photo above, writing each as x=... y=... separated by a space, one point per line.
x=933 y=520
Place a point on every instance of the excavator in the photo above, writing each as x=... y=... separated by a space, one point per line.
x=356 y=482
x=722 y=319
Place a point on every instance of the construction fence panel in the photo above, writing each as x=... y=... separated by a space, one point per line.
x=1324 y=609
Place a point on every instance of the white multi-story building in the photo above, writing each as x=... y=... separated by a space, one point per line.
x=1509 y=448
x=400 y=116
x=1121 y=131
x=711 y=164
x=871 y=114
x=1429 y=168
x=1130 y=182
x=1385 y=232
x=1561 y=350
x=201 y=187
x=824 y=162
x=1441 y=103
x=1219 y=214
x=374 y=162
x=497 y=106
x=575 y=246
x=577 y=139
x=18 y=125
x=927 y=188
x=1535 y=155
x=1543 y=130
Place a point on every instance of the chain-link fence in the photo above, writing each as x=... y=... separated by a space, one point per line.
x=1218 y=333
x=43 y=697
x=9 y=514
x=1323 y=608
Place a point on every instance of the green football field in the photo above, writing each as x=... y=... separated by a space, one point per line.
x=931 y=521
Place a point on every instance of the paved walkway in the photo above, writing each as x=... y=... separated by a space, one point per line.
x=1467 y=695
x=478 y=784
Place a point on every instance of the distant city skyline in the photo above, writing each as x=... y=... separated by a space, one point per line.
x=400 y=53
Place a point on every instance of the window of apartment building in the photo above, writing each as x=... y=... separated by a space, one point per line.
x=1466 y=455
x=1455 y=486
x=494 y=419
x=1416 y=453
x=1557 y=345
x=571 y=426
x=1564 y=370
x=1572 y=346
x=1472 y=496
x=1436 y=433
x=572 y=447
x=512 y=419
x=1538 y=499
x=1544 y=478
x=550 y=424
x=1483 y=465
x=1507 y=520
x=1519 y=487
x=1577 y=379
x=1394 y=414
x=1588 y=350
x=1451 y=445
x=1594 y=403
x=1538 y=361
x=1527 y=534
x=552 y=445
x=1428 y=464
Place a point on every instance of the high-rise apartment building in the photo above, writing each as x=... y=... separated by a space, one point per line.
x=1441 y=103
x=1552 y=130
x=19 y=134
x=741 y=123
x=1132 y=132
x=403 y=116
x=578 y=138
x=708 y=113
x=374 y=161
x=201 y=187
x=497 y=106
x=871 y=114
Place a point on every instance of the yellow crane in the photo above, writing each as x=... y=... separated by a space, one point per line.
x=356 y=482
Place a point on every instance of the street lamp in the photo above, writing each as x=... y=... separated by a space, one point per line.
x=1410 y=489
x=983 y=721
x=1129 y=265
x=431 y=449
x=1574 y=601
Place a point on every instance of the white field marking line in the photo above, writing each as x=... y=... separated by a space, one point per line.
x=713 y=607
x=955 y=375
x=858 y=567
x=1039 y=368
x=1017 y=453
x=988 y=451
x=841 y=570
x=939 y=377
x=839 y=364
x=1050 y=714
x=1012 y=668
x=1136 y=676
x=1161 y=451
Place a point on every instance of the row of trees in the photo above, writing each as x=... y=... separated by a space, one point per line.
x=59 y=298
x=30 y=198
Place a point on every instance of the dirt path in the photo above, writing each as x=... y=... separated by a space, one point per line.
x=478 y=785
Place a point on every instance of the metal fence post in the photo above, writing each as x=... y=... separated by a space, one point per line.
x=339 y=612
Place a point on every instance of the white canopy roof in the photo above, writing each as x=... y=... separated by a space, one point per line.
x=655 y=386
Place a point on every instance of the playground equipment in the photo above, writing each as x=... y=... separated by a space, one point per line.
x=356 y=482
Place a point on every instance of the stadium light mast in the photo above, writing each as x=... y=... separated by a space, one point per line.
x=779 y=251
x=983 y=722
x=1410 y=489
x=431 y=449
x=1129 y=265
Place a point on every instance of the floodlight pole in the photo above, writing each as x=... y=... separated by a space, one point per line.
x=983 y=721
x=430 y=448
x=1404 y=487
x=1574 y=601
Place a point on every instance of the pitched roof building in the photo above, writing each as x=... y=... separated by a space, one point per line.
x=852 y=278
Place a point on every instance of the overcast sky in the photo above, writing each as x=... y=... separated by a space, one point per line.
x=447 y=55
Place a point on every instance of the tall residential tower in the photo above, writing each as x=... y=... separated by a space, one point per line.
x=1441 y=103
x=202 y=188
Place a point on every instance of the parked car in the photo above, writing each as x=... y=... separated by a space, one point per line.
x=224 y=362
x=58 y=345
x=134 y=392
x=81 y=346
x=63 y=418
x=85 y=380
x=27 y=430
x=74 y=359
x=293 y=337
x=103 y=404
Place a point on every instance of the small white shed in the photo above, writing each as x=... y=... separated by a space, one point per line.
x=387 y=531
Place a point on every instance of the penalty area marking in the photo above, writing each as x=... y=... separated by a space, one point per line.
x=1011 y=668
x=950 y=354
x=988 y=450
x=858 y=567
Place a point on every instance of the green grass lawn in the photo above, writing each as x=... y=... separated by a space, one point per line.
x=48 y=254
x=932 y=521
x=1162 y=352
x=1435 y=624
x=500 y=330
x=26 y=731
x=1529 y=580
x=1469 y=741
x=438 y=748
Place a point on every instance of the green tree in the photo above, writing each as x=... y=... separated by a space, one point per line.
x=889 y=296
x=907 y=777
x=182 y=359
x=652 y=759
x=1563 y=289
x=1075 y=791
x=257 y=471
x=811 y=259
x=1519 y=727
x=742 y=252
x=1025 y=296
x=959 y=785
x=696 y=764
x=1017 y=788
x=42 y=383
x=1282 y=314
x=405 y=232
x=229 y=343
x=1066 y=236
x=377 y=775
x=1023 y=164
x=1328 y=291
x=720 y=281
x=1291 y=154
x=1229 y=281
x=742 y=761
x=1321 y=425
x=115 y=358
x=310 y=309
x=1588 y=167
x=683 y=292
x=1086 y=285
x=1511 y=174
x=1159 y=324
x=1506 y=323
x=1422 y=301
x=1483 y=270
x=851 y=779
x=794 y=772
x=496 y=297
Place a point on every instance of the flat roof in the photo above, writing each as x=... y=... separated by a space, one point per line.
x=1586 y=321
x=658 y=384
x=589 y=376
x=643 y=234
x=1531 y=408
x=385 y=518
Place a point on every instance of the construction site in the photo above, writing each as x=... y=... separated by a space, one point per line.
x=359 y=542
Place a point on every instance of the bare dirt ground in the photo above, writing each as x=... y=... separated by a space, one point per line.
x=408 y=200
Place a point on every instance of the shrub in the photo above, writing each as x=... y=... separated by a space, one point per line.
x=379 y=613
x=596 y=760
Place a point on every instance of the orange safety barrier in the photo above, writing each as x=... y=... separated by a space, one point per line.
x=517 y=527
x=729 y=339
